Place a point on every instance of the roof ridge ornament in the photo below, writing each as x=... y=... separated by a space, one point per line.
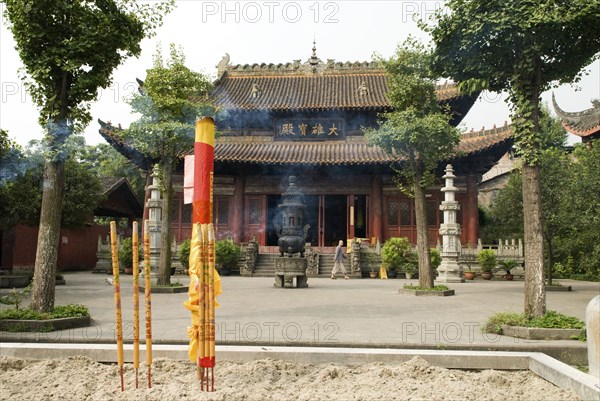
x=222 y=66
x=255 y=92
x=363 y=89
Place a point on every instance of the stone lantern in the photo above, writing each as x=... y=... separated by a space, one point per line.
x=449 y=270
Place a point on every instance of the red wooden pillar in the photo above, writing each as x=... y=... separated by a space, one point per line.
x=376 y=208
x=238 y=208
x=471 y=213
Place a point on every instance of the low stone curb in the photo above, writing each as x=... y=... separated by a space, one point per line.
x=556 y=372
x=166 y=290
x=14 y=281
x=44 y=325
x=558 y=288
x=539 y=333
x=425 y=293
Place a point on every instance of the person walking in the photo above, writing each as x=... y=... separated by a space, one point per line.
x=338 y=261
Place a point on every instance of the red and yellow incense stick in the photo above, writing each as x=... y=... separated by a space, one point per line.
x=202 y=289
x=148 y=301
x=117 y=290
x=136 y=301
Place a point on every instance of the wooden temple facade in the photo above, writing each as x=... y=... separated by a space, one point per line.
x=305 y=119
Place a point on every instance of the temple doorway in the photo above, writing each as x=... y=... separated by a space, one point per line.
x=334 y=219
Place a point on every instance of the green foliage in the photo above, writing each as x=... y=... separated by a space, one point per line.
x=227 y=253
x=83 y=193
x=508 y=265
x=435 y=257
x=570 y=209
x=126 y=253
x=521 y=47
x=434 y=288
x=15 y=297
x=184 y=253
x=22 y=195
x=372 y=259
x=70 y=48
x=417 y=132
x=173 y=98
x=71 y=310
x=495 y=322
x=105 y=161
x=398 y=254
x=550 y=320
x=487 y=260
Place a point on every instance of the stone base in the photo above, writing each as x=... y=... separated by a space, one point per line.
x=287 y=281
x=449 y=279
x=14 y=281
x=538 y=333
x=165 y=290
x=558 y=288
x=288 y=268
x=425 y=293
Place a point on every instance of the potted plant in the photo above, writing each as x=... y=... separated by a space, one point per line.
x=487 y=260
x=409 y=270
x=391 y=273
x=397 y=253
x=372 y=259
x=227 y=255
x=468 y=274
x=507 y=265
x=126 y=256
x=184 y=255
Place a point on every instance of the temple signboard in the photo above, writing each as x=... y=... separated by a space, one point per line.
x=309 y=129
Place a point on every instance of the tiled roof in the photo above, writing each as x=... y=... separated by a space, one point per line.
x=349 y=152
x=584 y=123
x=313 y=85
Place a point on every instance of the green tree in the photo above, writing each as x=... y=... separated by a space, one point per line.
x=581 y=241
x=418 y=132
x=69 y=49
x=107 y=162
x=173 y=97
x=523 y=48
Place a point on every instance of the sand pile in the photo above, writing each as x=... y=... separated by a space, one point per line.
x=81 y=378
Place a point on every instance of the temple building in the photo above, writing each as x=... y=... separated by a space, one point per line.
x=305 y=119
x=585 y=124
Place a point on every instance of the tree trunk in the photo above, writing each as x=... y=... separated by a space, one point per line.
x=42 y=292
x=425 y=273
x=535 y=293
x=164 y=264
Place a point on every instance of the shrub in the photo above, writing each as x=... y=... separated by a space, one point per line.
x=71 y=310
x=435 y=257
x=550 y=320
x=227 y=253
x=487 y=260
x=125 y=253
x=398 y=254
x=184 y=253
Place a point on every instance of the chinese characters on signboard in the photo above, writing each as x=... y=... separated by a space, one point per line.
x=309 y=129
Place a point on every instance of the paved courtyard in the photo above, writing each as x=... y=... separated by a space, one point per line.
x=363 y=312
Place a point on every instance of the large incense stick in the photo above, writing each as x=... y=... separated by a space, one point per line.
x=147 y=291
x=117 y=290
x=136 y=301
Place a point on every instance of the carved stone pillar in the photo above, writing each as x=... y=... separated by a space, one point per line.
x=449 y=270
x=154 y=206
